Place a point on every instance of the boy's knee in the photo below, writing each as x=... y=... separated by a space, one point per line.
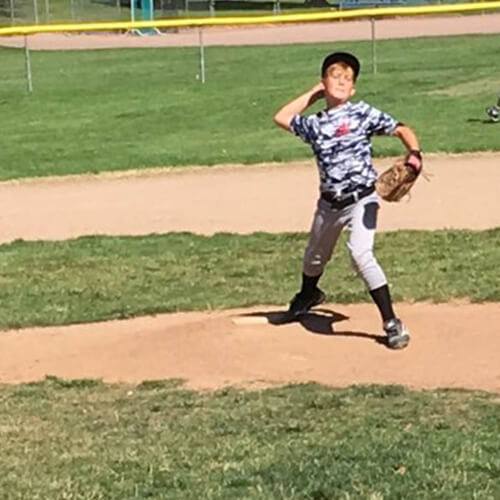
x=362 y=260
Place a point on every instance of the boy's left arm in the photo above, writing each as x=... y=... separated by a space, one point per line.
x=409 y=139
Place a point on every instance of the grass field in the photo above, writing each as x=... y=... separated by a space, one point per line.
x=95 y=278
x=85 y=440
x=120 y=109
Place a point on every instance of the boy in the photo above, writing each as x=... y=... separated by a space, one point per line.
x=340 y=137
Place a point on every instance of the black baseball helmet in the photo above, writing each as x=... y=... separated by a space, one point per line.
x=345 y=57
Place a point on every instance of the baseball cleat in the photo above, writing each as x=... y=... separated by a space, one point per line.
x=302 y=302
x=494 y=113
x=397 y=335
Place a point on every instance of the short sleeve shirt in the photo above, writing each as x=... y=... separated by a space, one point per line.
x=340 y=139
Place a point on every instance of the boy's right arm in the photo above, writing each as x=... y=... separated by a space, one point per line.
x=284 y=115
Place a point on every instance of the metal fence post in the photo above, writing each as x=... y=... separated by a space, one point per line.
x=374 y=53
x=202 y=55
x=28 y=64
x=35 y=10
x=47 y=11
x=12 y=15
x=132 y=10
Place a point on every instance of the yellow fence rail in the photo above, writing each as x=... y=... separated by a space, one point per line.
x=253 y=20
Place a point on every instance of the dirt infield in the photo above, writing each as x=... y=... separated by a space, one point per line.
x=453 y=345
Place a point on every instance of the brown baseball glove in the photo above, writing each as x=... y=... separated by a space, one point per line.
x=396 y=181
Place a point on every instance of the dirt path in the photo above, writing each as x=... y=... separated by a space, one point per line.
x=462 y=193
x=265 y=35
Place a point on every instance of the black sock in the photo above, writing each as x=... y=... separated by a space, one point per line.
x=309 y=283
x=382 y=298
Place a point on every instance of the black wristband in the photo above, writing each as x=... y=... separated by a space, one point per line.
x=415 y=152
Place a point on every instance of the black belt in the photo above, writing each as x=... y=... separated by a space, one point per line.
x=346 y=199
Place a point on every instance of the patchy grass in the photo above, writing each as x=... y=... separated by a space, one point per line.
x=97 y=278
x=468 y=88
x=87 y=440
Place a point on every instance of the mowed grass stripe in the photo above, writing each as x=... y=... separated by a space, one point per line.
x=100 y=110
x=84 y=439
x=98 y=278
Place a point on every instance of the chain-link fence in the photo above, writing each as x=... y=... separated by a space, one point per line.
x=59 y=11
x=55 y=11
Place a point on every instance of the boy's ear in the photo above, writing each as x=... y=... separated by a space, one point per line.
x=353 y=91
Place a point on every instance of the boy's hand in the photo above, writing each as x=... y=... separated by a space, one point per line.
x=414 y=159
x=296 y=106
x=318 y=91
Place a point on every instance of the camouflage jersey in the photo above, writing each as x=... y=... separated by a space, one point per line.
x=340 y=139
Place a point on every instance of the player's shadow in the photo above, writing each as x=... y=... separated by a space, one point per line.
x=486 y=121
x=320 y=321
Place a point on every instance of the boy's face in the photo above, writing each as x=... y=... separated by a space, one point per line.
x=339 y=82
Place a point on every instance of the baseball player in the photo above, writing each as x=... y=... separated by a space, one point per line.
x=339 y=136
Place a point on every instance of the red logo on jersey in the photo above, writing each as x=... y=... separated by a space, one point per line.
x=342 y=130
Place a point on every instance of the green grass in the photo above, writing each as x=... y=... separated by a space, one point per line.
x=64 y=439
x=120 y=109
x=96 y=278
